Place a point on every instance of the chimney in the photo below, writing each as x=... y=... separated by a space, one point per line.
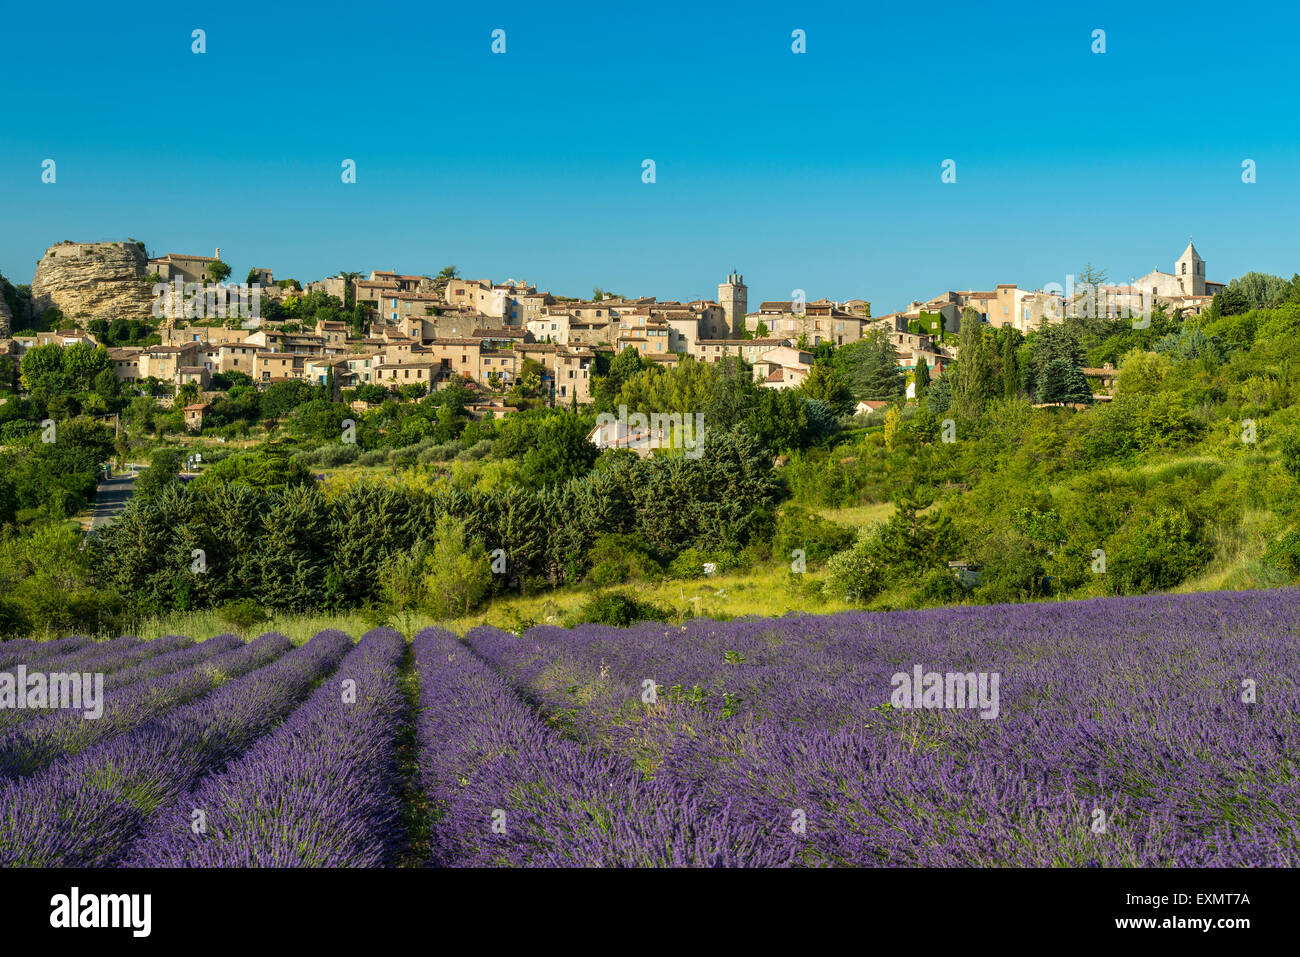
x=218 y=252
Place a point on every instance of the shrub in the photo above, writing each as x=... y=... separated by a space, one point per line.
x=690 y=562
x=332 y=456
x=819 y=538
x=13 y=622
x=940 y=587
x=404 y=458
x=1154 y=552
x=1284 y=553
x=478 y=450
x=242 y=615
x=614 y=559
x=854 y=574
x=620 y=610
x=1291 y=456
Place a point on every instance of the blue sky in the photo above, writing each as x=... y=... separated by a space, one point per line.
x=818 y=171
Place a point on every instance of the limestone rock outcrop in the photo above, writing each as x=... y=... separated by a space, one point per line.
x=93 y=281
x=6 y=318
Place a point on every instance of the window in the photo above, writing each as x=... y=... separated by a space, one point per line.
x=1184 y=269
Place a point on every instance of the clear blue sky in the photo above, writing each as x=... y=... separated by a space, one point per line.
x=818 y=171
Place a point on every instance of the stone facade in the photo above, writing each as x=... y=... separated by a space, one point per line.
x=1187 y=279
x=733 y=297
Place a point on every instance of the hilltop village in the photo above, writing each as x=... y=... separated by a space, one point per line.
x=394 y=331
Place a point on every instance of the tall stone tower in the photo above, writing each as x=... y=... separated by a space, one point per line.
x=1190 y=270
x=733 y=297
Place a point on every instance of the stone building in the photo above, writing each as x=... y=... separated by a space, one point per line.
x=179 y=266
x=1187 y=279
x=733 y=297
x=820 y=321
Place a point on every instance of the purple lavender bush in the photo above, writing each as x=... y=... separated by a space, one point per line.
x=322 y=790
x=1123 y=737
x=178 y=677
x=507 y=791
x=107 y=658
x=86 y=809
x=26 y=650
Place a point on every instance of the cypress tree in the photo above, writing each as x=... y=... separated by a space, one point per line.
x=971 y=390
x=1010 y=368
x=922 y=380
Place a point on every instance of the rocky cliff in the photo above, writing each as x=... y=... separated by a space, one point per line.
x=6 y=317
x=93 y=281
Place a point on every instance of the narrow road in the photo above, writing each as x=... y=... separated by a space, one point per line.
x=111 y=497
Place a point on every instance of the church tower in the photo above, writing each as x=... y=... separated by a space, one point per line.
x=733 y=297
x=1190 y=271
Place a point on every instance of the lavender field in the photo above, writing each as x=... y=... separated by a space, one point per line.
x=1155 y=731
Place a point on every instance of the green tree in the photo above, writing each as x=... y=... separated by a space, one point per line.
x=1260 y=290
x=39 y=362
x=921 y=379
x=457 y=574
x=870 y=367
x=973 y=386
x=938 y=398
x=1058 y=366
x=1230 y=302
x=623 y=367
x=267 y=468
x=826 y=384
x=403 y=589
x=163 y=471
x=187 y=394
x=560 y=451
x=1010 y=366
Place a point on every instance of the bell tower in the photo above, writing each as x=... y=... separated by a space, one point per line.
x=1190 y=271
x=733 y=297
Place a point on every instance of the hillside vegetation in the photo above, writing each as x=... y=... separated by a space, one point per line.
x=1186 y=478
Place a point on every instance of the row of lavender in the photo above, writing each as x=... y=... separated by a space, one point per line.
x=321 y=790
x=506 y=790
x=1126 y=733
x=93 y=804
